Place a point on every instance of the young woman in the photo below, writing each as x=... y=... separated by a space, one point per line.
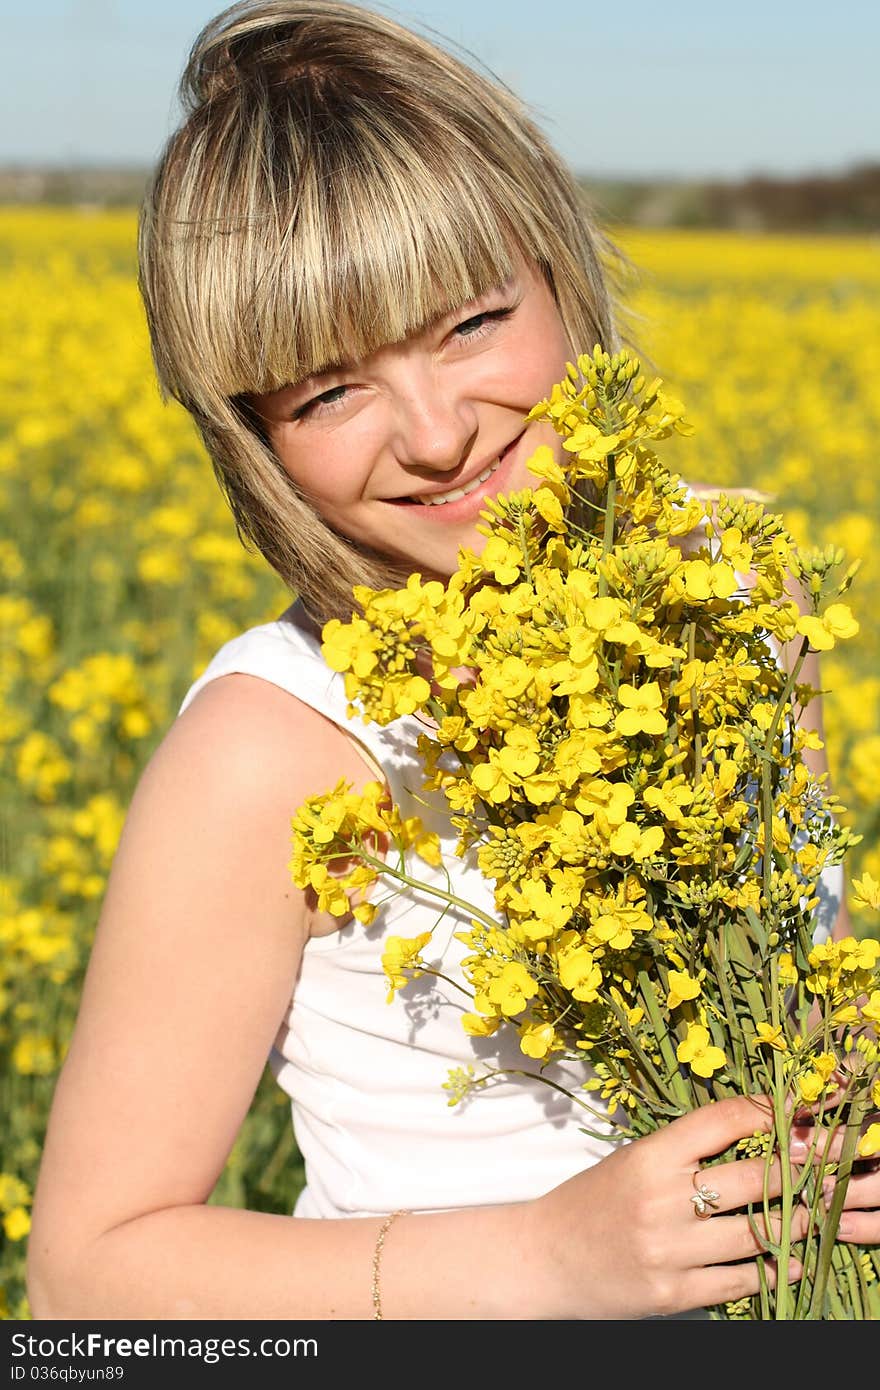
x=362 y=265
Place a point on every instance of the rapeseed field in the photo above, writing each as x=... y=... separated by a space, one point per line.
x=121 y=574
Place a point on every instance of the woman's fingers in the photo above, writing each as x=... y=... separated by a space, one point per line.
x=710 y=1129
x=860 y=1219
x=820 y=1144
x=859 y=1228
x=743 y=1237
x=743 y=1182
x=729 y=1283
x=863 y=1188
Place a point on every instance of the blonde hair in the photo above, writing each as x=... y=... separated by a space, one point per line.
x=337 y=183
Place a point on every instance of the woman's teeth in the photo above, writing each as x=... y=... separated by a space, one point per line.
x=438 y=499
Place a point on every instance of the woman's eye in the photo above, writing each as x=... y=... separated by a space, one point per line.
x=326 y=401
x=479 y=323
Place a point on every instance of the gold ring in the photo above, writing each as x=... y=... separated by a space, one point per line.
x=705 y=1199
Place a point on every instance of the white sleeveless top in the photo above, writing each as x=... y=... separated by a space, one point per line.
x=365 y=1078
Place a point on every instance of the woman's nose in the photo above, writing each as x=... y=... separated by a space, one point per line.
x=434 y=428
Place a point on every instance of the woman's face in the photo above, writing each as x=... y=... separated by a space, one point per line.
x=398 y=451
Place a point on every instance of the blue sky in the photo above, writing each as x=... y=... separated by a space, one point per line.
x=688 y=88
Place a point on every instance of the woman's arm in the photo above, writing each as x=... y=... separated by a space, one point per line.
x=193 y=965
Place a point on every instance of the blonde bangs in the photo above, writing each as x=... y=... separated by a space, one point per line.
x=276 y=284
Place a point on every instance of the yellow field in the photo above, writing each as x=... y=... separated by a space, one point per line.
x=120 y=574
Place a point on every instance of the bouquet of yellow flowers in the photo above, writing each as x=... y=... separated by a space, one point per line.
x=618 y=744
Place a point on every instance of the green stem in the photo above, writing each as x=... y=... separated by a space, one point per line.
x=608 y=534
x=828 y=1240
x=545 y=1080
x=811 y=1250
x=834 y=1302
x=386 y=870
x=766 y=763
x=740 y=1044
x=787 y=689
x=438 y=975
x=695 y=715
x=645 y=1062
x=524 y=548
x=764 y=1291
x=781 y=1126
x=844 y=1267
x=661 y=1031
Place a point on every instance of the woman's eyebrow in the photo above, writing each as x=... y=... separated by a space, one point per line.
x=338 y=364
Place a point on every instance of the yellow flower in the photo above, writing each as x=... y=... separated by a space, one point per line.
x=788 y=974
x=350 y=646
x=705 y=581
x=810 y=1086
x=602 y=614
x=590 y=445
x=617 y=927
x=578 y=972
x=41 y=765
x=869 y=1144
x=821 y=1077
x=34 y=1055
x=629 y=840
x=642 y=710
x=549 y=506
x=424 y=843
x=541 y=908
x=669 y=800
x=867 y=892
x=607 y=801
x=502 y=559
x=512 y=989
x=17 y=1223
x=537 y=1039
x=520 y=754
x=681 y=986
x=480 y=1025
x=401 y=960
x=542 y=463
x=331 y=892
x=698 y=1051
x=13 y=1192
x=773 y=1036
x=859 y=954
x=822 y=632
x=737 y=551
x=871 y=1010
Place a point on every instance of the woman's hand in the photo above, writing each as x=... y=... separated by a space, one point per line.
x=860 y=1219
x=626 y=1238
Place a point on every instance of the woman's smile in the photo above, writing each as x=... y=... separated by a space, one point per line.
x=475 y=485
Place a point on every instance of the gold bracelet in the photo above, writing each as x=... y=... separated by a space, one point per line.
x=377 y=1260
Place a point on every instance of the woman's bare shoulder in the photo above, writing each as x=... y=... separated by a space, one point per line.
x=252 y=726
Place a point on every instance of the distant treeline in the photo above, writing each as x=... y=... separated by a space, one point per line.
x=848 y=201
x=844 y=202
